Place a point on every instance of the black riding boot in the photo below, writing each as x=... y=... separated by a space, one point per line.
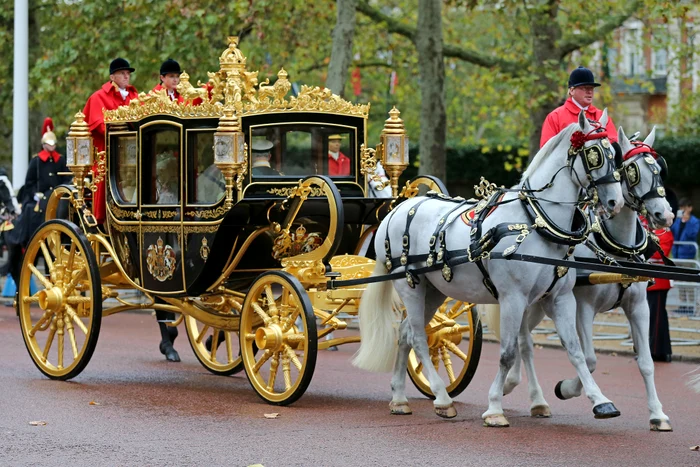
x=168 y=334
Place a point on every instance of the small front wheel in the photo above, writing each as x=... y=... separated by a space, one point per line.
x=61 y=321
x=277 y=318
x=217 y=350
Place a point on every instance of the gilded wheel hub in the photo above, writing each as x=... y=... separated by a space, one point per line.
x=51 y=299
x=269 y=337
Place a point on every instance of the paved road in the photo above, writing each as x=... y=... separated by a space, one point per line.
x=152 y=412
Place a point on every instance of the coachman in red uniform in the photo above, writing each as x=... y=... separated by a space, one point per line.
x=114 y=93
x=169 y=79
x=338 y=163
x=581 y=90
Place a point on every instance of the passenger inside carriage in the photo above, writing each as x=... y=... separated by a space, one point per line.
x=167 y=178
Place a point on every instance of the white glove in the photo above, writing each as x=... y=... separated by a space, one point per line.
x=37 y=197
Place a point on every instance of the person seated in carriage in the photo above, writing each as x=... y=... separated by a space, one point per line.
x=261 y=155
x=167 y=177
x=581 y=91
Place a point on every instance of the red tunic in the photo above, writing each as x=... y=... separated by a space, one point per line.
x=666 y=242
x=178 y=97
x=107 y=97
x=563 y=116
x=340 y=166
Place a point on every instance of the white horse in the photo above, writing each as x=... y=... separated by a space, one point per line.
x=644 y=193
x=562 y=174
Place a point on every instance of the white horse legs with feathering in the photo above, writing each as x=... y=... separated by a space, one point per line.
x=518 y=284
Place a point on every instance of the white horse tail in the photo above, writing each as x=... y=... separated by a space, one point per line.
x=694 y=381
x=380 y=316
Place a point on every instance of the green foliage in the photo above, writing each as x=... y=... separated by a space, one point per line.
x=466 y=164
x=682 y=155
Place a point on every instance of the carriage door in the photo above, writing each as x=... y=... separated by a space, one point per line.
x=160 y=203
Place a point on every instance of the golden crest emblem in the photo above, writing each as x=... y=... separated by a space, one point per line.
x=204 y=249
x=161 y=261
x=287 y=245
x=632 y=174
x=593 y=157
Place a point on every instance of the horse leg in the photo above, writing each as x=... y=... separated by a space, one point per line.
x=399 y=402
x=637 y=311
x=512 y=309
x=563 y=307
x=514 y=376
x=538 y=405
x=419 y=313
x=585 y=315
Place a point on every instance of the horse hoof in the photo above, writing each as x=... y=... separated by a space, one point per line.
x=660 y=425
x=496 y=421
x=557 y=391
x=446 y=411
x=540 y=411
x=400 y=408
x=605 y=410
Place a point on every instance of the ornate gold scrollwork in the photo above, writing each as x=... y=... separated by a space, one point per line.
x=295 y=191
x=368 y=166
x=207 y=213
x=100 y=172
x=292 y=244
x=121 y=213
x=484 y=189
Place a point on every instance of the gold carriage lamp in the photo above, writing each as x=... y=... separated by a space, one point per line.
x=230 y=152
x=395 y=149
x=79 y=152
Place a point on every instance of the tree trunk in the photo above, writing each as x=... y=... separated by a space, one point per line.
x=433 y=118
x=341 y=55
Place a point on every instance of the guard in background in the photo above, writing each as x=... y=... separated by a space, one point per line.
x=113 y=94
x=42 y=177
x=659 y=333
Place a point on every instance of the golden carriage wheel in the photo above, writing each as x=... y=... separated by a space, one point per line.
x=277 y=318
x=217 y=350
x=454 y=350
x=61 y=322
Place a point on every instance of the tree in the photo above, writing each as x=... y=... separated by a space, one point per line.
x=532 y=50
x=341 y=54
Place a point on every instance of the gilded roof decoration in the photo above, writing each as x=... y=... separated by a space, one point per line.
x=235 y=87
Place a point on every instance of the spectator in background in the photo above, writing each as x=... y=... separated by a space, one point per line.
x=685 y=229
x=659 y=335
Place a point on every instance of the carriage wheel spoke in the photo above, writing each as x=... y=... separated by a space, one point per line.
x=202 y=333
x=419 y=367
x=44 y=281
x=455 y=350
x=57 y=247
x=435 y=359
x=271 y=305
x=71 y=257
x=49 y=340
x=260 y=312
x=287 y=371
x=229 y=347
x=293 y=357
x=447 y=362
x=265 y=357
x=214 y=344
x=274 y=364
x=76 y=319
x=47 y=255
x=47 y=314
x=71 y=337
x=61 y=337
x=74 y=282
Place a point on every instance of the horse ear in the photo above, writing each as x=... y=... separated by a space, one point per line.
x=624 y=142
x=650 y=139
x=604 y=118
x=583 y=121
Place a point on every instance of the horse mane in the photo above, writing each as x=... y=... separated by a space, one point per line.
x=548 y=148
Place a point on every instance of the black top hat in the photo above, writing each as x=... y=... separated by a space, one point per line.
x=582 y=76
x=119 y=64
x=170 y=66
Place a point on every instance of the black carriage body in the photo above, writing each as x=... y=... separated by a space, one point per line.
x=167 y=218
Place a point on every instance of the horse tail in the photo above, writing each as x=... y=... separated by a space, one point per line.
x=379 y=315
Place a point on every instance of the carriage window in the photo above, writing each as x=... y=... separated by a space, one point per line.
x=209 y=185
x=302 y=149
x=162 y=184
x=126 y=175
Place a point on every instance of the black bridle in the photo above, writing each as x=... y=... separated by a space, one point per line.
x=594 y=157
x=643 y=153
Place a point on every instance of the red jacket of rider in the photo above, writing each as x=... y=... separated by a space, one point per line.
x=563 y=116
x=666 y=242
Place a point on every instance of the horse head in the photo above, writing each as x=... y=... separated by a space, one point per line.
x=643 y=172
x=592 y=161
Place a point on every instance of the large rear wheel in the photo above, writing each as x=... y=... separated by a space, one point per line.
x=455 y=348
x=277 y=318
x=61 y=322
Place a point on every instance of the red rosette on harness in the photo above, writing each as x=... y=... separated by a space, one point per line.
x=639 y=148
x=578 y=138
